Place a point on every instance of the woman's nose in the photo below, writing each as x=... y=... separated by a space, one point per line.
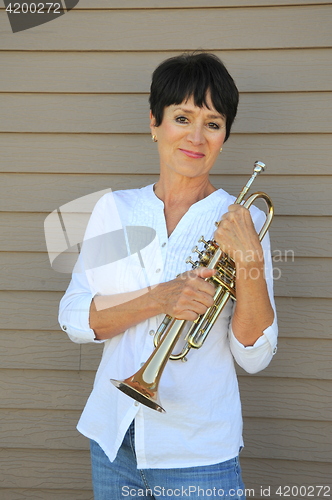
x=196 y=135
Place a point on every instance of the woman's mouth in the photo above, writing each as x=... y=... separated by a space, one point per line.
x=192 y=154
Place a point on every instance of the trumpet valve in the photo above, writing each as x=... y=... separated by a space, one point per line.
x=190 y=261
x=204 y=257
x=202 y=240
x=209 y=245
x=195 y=249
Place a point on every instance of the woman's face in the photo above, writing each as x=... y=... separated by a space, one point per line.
x=189 y=138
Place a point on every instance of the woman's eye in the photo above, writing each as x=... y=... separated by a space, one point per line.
x=181 y=119
x=213 y=125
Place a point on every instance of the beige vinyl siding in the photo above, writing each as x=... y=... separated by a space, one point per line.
x=203 y=4
x=74 y=120
x=288 y=113
x=144 y=29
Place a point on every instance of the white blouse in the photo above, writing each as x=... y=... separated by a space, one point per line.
x=126 y=248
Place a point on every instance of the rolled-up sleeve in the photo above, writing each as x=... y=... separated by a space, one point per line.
x=74 y=309
x=258 y=356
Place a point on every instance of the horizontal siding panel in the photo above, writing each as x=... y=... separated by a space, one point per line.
x=289 y=235
x=291 y=195
x=136 y=154
x=302 y=112
x=29 y=271
x=45 y=469
x=297 y=317
x=48 y=389
x=157 y=4
x=130 y=72
x=264 y=438
x=55 y=190
x=302 y=277
x=123 y=30
x=285 y=398
x=22 y=232
x=298 y=357
x=275 y=473
x=40 y=429
x=32 y=310
x=264 y=397
x=22 y=470
x=57 y=470
x=304 y=317
x=46 y=351
x=32 y=494
x=288 y=440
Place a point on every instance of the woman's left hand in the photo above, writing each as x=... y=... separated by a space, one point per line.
x=236 y=235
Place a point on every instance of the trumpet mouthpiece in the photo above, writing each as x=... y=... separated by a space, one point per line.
x=259 y=167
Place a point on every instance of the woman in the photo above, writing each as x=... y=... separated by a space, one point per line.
x=121 y=299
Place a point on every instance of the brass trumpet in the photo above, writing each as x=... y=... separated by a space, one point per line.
x=143 y=385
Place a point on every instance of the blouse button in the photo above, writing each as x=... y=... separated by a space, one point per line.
x=136 y=403
x=64 y=327
x=164 y=244
x=151 y=332
x=158 y=270
x=275 y=350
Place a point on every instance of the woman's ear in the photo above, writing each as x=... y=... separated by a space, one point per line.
x=152 y=122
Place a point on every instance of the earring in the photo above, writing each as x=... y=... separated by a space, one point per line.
x=154 y=138
x=220 y=150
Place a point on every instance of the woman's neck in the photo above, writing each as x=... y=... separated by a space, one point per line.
x=178 y=197
x=182 y=192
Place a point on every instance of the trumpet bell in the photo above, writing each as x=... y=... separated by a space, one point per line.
x=139 y=390
x=143 y=385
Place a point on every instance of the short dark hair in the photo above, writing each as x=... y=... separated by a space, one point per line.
x=177 y=79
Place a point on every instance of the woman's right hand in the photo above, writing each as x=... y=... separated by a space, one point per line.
x=187 y=296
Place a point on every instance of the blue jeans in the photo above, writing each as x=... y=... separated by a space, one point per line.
x=121 y=479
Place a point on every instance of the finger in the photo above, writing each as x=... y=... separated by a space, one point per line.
x=224 y=216
x=199 y=307
x=187 y=315
x=238 y=212
x=206 y=300
x=203 y=293
x=204 y=272
x=234 y=207
x=206 y=288
x=200 y=303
